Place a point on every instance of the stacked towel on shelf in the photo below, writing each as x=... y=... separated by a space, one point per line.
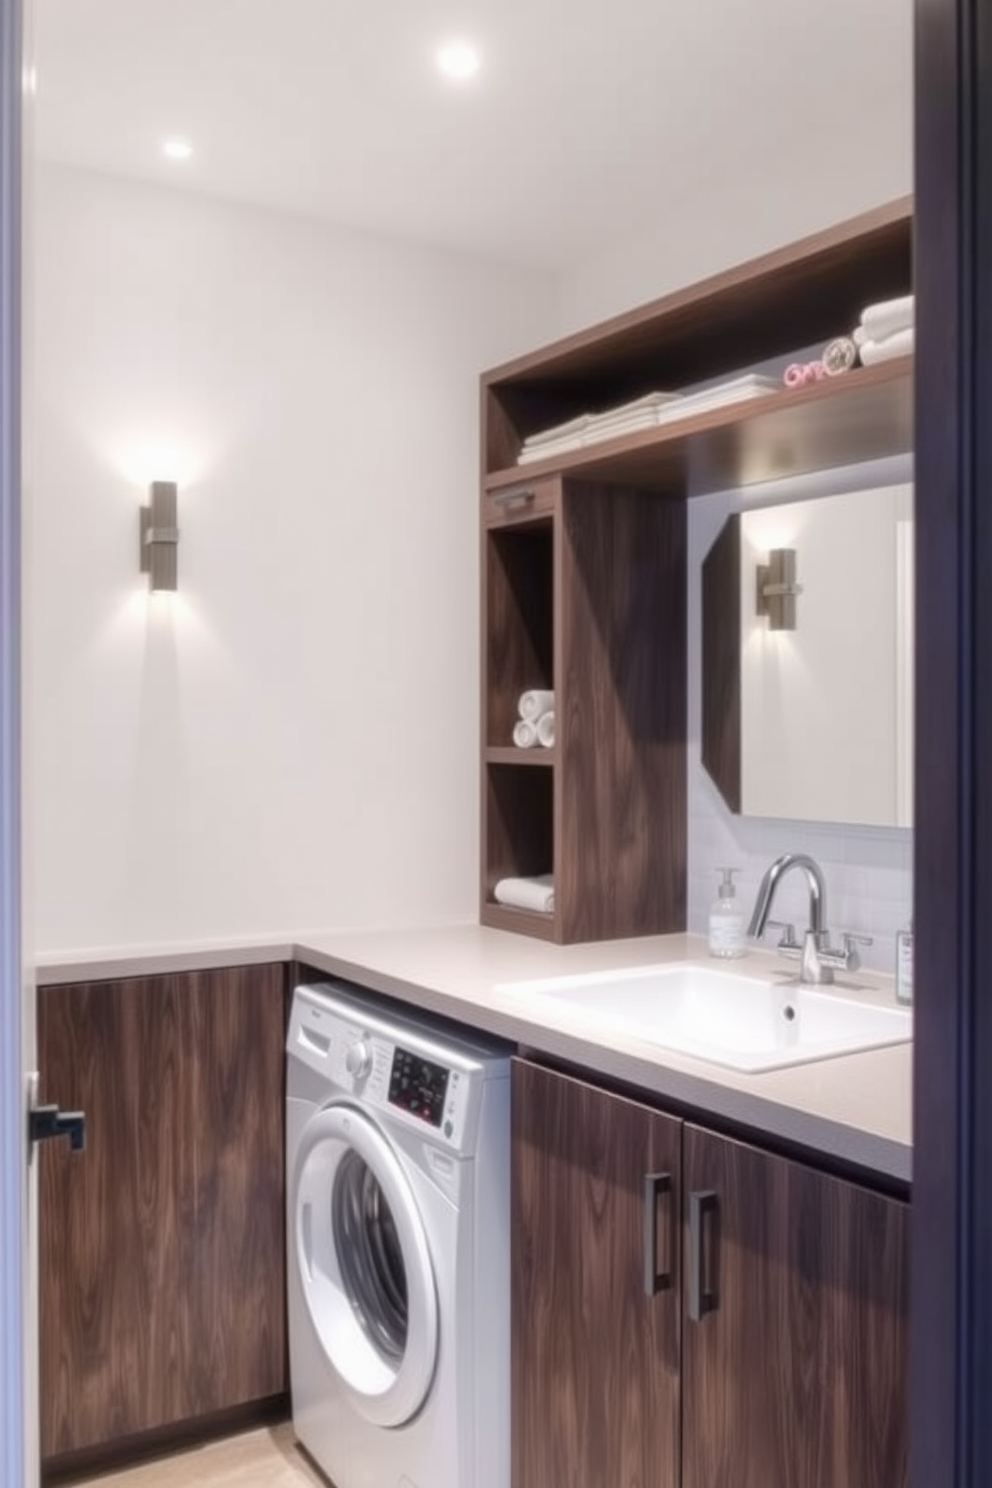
x=642 y=413
x=536 y=724
x=535 y=702
x=886 y=330
x=899 y=344
x=535 y=893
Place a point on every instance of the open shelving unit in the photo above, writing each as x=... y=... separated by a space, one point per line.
x=583 y=557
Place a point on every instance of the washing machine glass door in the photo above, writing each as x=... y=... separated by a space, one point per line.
x=364 y=1265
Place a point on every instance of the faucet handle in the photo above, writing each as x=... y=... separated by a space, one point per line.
x=851 y=942
x=788 y=941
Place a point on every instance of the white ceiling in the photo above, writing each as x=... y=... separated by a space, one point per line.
x=589 y=120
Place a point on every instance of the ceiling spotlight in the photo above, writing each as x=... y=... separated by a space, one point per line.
x=177 y=149
x=459 y=60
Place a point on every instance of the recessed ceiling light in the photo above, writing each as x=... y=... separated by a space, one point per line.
x=177 y=149
x=459 y=60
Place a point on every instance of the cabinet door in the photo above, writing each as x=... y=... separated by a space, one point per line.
x=109 y=1220
x=595 y=1287
x=161 y=1246
x=795 y=1338
x=233 y=1300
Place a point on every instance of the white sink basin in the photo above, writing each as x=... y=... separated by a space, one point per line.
x=726 y=1017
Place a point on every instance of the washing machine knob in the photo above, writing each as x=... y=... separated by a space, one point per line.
x=358 y=1060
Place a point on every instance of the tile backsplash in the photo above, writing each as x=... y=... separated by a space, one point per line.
x=868 y=870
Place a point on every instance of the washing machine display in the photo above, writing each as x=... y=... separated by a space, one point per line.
x=418 y=1086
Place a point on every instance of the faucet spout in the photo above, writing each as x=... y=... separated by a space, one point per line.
x=773 y=877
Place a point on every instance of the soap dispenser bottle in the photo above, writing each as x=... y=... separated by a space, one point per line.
x=904 y=964
x=726 y=919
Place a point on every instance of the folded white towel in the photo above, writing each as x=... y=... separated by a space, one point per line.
x=546 y=729
x=525 y=733
x=888 y=317
x=536 y=893
x=532 y=704
x=899 y=345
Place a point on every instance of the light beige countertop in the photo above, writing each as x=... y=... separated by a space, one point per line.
x=856 y=1108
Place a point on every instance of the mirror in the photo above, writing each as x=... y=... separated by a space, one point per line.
x=807 y=659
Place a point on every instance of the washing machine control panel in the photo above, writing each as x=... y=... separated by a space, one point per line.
x=418 y=1085
x=428 y=1083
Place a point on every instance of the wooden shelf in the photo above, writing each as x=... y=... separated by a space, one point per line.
x=866 y=414
x=800 y=295
x=520 y=921
x=498 y=754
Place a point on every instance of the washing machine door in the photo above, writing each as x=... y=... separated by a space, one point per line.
x=364 y=1265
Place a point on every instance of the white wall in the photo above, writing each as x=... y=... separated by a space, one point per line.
x=290 y=741
x=809 y=184
x=822 y=726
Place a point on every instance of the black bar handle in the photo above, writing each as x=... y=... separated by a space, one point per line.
x=47 y=1122
x=702 y=1300
x=655 y=1281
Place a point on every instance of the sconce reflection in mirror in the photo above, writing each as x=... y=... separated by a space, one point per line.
x=160 y=536
x=777 y=589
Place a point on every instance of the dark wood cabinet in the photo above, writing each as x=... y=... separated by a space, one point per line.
x=774 y=1355
x=596 y=1276
x=795 y=1367
x=584 y=593
x=162 y=1267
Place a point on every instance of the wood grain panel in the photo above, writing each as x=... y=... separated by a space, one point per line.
x=234 y=1258
x=110 y=1222
x=162 y=1271
x=721 y=656
x=799 y=1375
x=620 y=809
x=595 y=1370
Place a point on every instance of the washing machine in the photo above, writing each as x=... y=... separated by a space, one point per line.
x=398 y=1214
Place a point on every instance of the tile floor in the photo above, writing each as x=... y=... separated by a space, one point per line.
x=266 y=1458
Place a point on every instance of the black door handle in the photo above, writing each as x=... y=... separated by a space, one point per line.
x=702 y=1298
x=46 y=1122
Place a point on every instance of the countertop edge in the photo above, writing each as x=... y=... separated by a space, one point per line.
x=707 y=1096
x=751 y=1111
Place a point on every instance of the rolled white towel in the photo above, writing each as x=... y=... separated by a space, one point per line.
x=525 y=733
x=888 y=317
x=899 y=345
x=537 y=893
x=532 y=704
x=546 y=729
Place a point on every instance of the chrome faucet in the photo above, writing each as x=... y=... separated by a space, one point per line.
x=815 y=955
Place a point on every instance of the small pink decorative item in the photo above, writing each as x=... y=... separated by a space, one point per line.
x=798 y=374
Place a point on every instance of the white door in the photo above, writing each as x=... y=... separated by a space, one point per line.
x=18 y=1289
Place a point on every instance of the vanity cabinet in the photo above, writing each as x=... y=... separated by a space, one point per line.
x=689 y=1309
x=162 y=1270
x=583 y=557
x=596 y=1181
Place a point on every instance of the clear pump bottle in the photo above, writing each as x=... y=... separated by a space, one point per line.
x=726 y=919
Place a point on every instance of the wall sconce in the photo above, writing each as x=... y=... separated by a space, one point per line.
x=777 y=589
x=160 y=536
